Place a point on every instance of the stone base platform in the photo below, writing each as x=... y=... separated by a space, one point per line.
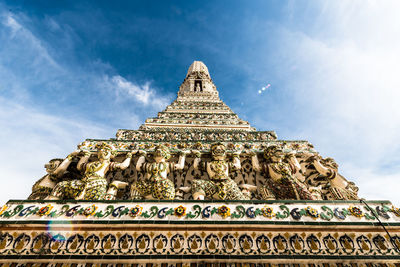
x=199 y=233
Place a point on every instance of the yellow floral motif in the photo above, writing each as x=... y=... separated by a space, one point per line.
x=357 y=212
x=45 y=210
x=268 y=212
x=180 y=211
x=313 y=213
x=89 y=211
x=224 y=211
x=135 y=211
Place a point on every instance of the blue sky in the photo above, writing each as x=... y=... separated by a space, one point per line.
x=76 y=70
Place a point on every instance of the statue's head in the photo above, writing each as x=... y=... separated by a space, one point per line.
x=218 y=151
x=52 y=165
x=273 y=152
x=105 y=151
x=162 y=151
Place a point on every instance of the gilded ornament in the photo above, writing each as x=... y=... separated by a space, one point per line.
x=355 y=211
x=44 y=211
x=267 y=212
x=135 y=211
x=313 y=213
x=224 y=211
x=90 y=210
x=180 y=211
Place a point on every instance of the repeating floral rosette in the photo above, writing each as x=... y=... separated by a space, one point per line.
x=45 y=210
x=180 y=211
x=89 y=211
x=268 y=212
x=224 y=211
x=196 y=212
x=135 y=211
x=355 y=211
x=313 y=213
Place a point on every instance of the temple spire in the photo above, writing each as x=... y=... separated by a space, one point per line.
x=197 y=106
x=198 y=84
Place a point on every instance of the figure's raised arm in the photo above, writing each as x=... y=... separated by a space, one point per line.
x=294 y=162
x=197 y=159
x=125 y=164
x=181 y=161
x=64 y=165
x=254 y=161
x=321 y=168
x=236 y=160
x=83 y=160
x=141 y=160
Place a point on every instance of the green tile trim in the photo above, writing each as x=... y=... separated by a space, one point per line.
x=15 y=201
x=170 y=222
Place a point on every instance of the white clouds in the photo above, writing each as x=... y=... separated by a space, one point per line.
x=373 y=185
x=24 y=60
x=23 y=35
x=353 y=90
x=346 y=86
x=140 y=93
x=12 y=23
x=30 y=138
x=26 y=65
x=335 y=70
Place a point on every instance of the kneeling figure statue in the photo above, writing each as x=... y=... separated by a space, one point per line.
x=93 y=185
x=156 y=184
x=280 y=182
x=220 y=185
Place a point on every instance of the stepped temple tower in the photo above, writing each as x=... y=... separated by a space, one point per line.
x=197 y=186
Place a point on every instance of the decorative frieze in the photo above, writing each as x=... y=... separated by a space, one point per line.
x=186 y=135
x=240 y=232
x=262 y=212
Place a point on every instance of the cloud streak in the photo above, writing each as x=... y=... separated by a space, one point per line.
x=20 y=34
x=140 y=93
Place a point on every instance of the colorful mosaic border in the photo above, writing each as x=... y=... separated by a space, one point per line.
x=184 y=211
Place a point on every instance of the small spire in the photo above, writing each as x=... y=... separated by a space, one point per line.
x=199 y=67
x=198 y=81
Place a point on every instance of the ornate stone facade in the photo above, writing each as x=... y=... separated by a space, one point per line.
x=195 y=185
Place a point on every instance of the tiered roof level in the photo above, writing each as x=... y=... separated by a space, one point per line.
x=197 y=106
